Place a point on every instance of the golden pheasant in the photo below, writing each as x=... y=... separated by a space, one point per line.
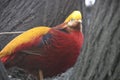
x=53 y=50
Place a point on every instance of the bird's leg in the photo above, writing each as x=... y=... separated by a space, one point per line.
x=40 y=75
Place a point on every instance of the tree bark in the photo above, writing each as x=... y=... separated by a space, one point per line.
x=3 y=73
x=100 y=56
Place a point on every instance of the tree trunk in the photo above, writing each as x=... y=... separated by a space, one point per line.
x=100 y=56
x=3 y=73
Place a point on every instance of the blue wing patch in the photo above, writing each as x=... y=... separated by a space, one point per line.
x=45 y=40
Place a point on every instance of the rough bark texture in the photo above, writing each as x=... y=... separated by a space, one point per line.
x=3 y=73
x=100 y=57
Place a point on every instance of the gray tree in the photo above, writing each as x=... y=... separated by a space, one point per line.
x=3 y=73
x=100 y=56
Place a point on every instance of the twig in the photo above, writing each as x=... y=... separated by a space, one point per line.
x=17 y=32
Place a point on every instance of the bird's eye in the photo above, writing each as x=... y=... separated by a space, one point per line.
x=80 y=21
x=72 y=19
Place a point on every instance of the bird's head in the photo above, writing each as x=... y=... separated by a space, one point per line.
x=74 y=21
x=74 y=25
x=75 y=15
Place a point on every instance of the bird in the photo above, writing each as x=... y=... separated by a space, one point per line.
x=50 y=49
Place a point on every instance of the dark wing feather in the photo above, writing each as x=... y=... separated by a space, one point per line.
x=39 y=49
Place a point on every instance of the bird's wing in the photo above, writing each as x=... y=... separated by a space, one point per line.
x=25 y=40
x=40 y=45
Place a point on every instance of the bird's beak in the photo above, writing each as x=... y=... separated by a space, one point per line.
x=81 y=27
x=80 y=21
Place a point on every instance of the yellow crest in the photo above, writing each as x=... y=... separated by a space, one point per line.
x=74 y=15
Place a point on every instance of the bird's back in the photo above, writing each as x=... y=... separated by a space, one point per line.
x=58 y=51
